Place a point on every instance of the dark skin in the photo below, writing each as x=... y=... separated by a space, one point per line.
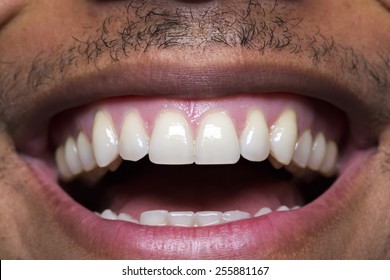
x=49 y=48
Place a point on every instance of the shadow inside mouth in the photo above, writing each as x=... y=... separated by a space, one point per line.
x=247 y=186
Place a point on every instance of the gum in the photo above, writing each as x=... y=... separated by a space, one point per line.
x=311 y=114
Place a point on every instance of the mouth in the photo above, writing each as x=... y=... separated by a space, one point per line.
x=177 y=176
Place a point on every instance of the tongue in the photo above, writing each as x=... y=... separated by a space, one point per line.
x=142 y=186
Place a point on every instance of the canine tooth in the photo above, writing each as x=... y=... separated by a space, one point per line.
x=208 y=218
x=84 y=147
x=318 y=152
x=217 y=141
x=329 y=163
x=284 y=136
x=154 y=218
x=63 y=169
x=303 y=149
x=171 y=141
x=283 y=208
x=254 y=140
x=127 y=218
x=182 y=219
x=104 y=139
x=109 y=215
x=262 y=212
x=72 y=157
x=231 y=216
x=134 y=142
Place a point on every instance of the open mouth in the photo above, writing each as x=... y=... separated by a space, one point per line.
x=177 y=163
x=218 y=176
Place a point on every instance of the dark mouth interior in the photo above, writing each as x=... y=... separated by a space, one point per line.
x=246 y=186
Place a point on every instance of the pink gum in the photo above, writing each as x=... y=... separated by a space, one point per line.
x=311 y=114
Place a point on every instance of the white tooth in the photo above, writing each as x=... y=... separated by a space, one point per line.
x=263 y=211
x=109 y=215
x=329 y=164
x=84 y=147
x=318 y=152
x=134 y=142
x=127 y=218
x=104 y=139
x=182 y=219
x=283 y=208
x=72 y=157
x=217 y=141
x=208 y=218
x=231 y=216
x=63 y=169
x=284 y=136
x=303 y=149
x=296 y=207
x=171 y=141
x=254 y=140
x=154 y=218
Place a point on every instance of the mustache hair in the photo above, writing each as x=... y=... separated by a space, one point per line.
x=255 y=25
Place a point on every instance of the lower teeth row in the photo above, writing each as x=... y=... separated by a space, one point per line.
x=187 y=218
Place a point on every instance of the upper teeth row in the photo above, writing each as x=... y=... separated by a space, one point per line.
x=188 y=218
x=216 y=142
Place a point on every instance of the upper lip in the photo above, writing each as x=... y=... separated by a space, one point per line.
x=190 y=82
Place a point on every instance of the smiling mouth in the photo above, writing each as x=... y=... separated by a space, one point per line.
x=283 y=146
x=190 y=164
x=220 y=176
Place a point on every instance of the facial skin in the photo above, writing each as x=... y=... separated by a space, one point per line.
x=56 y=55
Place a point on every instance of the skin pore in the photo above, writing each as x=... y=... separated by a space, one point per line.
x=51 y=49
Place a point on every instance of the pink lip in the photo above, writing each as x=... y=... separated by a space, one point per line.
x=276 y=235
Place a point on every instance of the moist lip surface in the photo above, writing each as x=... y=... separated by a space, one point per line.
x=236 y=239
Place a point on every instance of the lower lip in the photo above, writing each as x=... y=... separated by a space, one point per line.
x=270 y=236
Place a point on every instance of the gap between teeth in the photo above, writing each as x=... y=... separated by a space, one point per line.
x=216 y=142
x=188 y=218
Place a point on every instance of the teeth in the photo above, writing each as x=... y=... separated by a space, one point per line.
x=283 y=208
x=318 y=152
x=263 y=211
x=231 y=216
x=187 y=218
x=171 y=141
x=254 y=140
x=181 y=219
x=127 y=218
x=109 y=215
x=63 y=169
x=104 y=139
x=154 y=218
x=284 y=137
x=133 y=143
x=329 y=164
x=72 y=157
x=217 y=141
x=208 y=218
x=303 y=149
x=84 y=147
